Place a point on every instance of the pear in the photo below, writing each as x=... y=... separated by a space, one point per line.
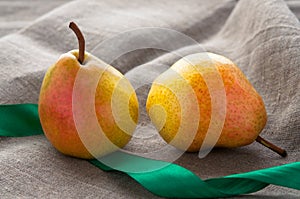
x=190 y=86
x=87 y=108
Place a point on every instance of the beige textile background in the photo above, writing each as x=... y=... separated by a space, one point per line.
x=262 y=37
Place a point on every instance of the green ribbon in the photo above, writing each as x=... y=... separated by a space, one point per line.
x=172 y=181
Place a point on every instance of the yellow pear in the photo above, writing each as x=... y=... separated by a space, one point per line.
x=87 y=108
x=181 y=99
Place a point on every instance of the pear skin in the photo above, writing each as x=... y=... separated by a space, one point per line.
x=245 y=111
x=57 y=116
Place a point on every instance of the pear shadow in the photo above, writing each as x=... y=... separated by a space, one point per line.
x=225 y=161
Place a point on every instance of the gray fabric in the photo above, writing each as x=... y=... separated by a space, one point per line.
x=262 y=37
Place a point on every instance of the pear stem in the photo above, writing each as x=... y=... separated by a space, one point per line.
x=271 y=146
x=81 y=41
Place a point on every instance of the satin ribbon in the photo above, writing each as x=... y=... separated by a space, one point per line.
x=172 y=181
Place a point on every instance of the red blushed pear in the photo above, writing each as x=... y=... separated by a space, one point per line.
x=56 y=105
x=244 y=118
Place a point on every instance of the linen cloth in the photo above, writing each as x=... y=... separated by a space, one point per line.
x=261 y=37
